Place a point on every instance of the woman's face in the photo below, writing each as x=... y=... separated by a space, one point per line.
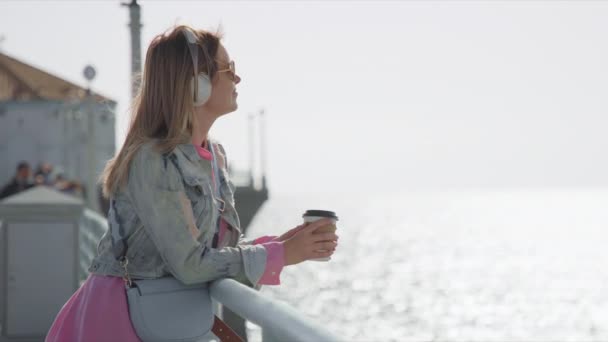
x=223 y=92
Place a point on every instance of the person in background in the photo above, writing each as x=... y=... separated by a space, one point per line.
x=43 y=174
x=20 y=182
x=67 y=186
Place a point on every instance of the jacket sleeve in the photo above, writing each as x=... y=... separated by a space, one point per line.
x=245 y=241
x=157 y=192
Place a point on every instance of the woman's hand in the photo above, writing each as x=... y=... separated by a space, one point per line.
x=303 y=244
x=287 y=235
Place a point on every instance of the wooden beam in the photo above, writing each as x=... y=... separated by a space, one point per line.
x=21 y=84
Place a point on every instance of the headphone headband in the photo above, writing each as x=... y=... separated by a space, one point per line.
x=192 y=46
x=201 y=83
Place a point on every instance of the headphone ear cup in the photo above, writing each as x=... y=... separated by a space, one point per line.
x=204 y=90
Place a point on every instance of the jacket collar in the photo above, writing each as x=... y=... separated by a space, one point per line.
x=189 y=151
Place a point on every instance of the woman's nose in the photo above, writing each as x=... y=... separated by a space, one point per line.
x=237 y=79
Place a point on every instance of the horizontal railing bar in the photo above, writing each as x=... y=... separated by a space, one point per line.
x=283 y=321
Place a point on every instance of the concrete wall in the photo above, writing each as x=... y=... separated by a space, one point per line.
x=54 y=132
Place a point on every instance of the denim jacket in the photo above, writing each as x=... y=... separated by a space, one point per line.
x=167 y=214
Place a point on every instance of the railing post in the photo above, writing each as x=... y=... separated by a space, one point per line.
x=268 y=337
x=236 y=322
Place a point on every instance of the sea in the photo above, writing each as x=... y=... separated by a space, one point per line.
x=453 y=265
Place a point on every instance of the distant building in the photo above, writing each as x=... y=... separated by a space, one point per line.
x=44 y=118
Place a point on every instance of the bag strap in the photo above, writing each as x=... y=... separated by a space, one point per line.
x=224 y=332
x=220 y=328
x=217 y=191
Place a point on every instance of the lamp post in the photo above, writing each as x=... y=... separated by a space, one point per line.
x=91 y=177
x=263 y=146
x=251 y=136
x=135 y=27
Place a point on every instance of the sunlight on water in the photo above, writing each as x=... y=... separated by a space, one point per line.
x=476 y=266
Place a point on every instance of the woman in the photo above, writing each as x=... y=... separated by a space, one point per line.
x=168 y=216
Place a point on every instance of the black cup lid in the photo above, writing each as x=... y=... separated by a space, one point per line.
x=321 y=213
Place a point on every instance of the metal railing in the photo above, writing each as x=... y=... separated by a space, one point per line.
x=279 y=321
x=91 y=227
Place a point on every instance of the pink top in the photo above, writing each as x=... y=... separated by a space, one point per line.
x=275 y=260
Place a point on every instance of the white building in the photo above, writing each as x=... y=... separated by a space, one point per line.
x=44 y=118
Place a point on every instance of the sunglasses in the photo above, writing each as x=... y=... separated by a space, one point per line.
x=231 y=69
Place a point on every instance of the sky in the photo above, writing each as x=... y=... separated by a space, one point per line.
x=364 y=96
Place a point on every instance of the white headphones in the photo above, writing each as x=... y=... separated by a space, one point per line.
x=202 y=88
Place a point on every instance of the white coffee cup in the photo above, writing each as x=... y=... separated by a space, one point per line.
x=314 y=215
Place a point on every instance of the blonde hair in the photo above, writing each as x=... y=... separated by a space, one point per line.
x=163 y=109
